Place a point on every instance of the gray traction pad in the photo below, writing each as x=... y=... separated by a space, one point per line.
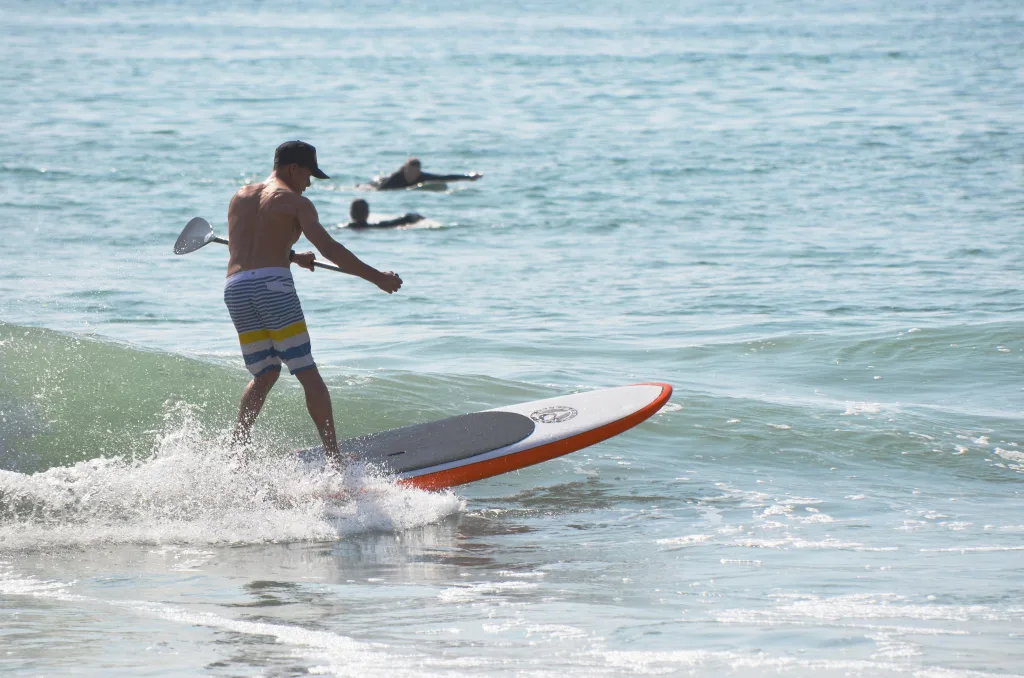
x=438 y=442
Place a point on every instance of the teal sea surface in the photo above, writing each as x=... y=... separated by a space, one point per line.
x=807 y=217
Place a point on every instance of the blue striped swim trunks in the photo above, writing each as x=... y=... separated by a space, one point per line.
x=269 y=321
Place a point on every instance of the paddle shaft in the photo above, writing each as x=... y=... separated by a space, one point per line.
x=318 y=264
x=329 y=267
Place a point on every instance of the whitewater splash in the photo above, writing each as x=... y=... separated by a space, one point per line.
x=193 y=489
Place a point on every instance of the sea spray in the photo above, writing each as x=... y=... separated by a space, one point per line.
x=194 y=488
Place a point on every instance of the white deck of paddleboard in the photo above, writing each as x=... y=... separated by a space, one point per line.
x=562 y=417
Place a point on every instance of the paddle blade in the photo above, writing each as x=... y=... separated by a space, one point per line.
x=197 y=233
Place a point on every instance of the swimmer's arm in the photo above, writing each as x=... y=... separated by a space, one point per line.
x=409 y=218
x=472 y=176
x=399 y=221
x=309 y=222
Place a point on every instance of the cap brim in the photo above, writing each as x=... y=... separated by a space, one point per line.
x=319 y=174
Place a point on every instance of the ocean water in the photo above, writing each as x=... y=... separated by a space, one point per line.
x=807 y=217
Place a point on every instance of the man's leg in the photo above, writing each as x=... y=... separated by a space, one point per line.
x=253 y=397
x=318 y=402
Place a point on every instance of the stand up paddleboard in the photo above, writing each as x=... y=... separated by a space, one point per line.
x=470 y=447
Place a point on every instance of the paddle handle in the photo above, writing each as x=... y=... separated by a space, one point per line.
x=318 y=264
x=329 y=267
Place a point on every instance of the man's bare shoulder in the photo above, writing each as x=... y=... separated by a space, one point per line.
x=291 y=202
x=283 y=198
x=250 y=190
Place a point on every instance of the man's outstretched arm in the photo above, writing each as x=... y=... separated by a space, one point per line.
x=309 y=222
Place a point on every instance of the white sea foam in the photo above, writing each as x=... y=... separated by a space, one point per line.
x=866 y=606
x=556 y=632
x=858 y=408
x=683 y=542
x=892 y=646
x=1010 y=455
x=740 y=561
x=972 y=549
x=784 y=506
x=776 y=510
x=191 y=491
x=743 y=498
x=809 y=544
x=756 y=663
x=512 y=574
x=471 y=592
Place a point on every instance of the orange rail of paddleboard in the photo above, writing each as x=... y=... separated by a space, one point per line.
x=535 y=455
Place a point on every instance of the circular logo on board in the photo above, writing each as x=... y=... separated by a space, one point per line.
x=554 y=415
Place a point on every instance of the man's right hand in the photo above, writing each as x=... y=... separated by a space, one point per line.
x=389 y=282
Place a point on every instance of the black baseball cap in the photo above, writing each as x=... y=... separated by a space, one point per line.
x=299 y=153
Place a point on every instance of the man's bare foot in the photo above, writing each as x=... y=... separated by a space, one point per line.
x=340 y=460
x=239 y=455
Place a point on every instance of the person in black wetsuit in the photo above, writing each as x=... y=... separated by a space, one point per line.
x=360 y=213
x=410 y=174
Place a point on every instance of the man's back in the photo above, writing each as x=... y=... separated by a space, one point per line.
x=263 y=225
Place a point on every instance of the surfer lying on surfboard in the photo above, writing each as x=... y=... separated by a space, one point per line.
x=264 y=221
x=360 y=213
x=411 y=174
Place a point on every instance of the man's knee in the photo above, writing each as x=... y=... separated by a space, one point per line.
x=309 y=377
x=266 y=379
x=313 y=385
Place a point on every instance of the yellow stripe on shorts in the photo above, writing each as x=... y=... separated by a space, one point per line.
x=276 y=335
x=256 y=335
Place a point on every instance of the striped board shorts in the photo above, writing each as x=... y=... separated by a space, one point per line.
x=269 y=321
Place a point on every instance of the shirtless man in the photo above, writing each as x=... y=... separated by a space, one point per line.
x=411 y=174
x=264 y=221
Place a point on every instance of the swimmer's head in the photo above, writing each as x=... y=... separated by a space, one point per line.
x=411 y=170
x=359 y=210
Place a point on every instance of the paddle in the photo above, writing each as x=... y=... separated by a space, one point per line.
x=199 y=233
